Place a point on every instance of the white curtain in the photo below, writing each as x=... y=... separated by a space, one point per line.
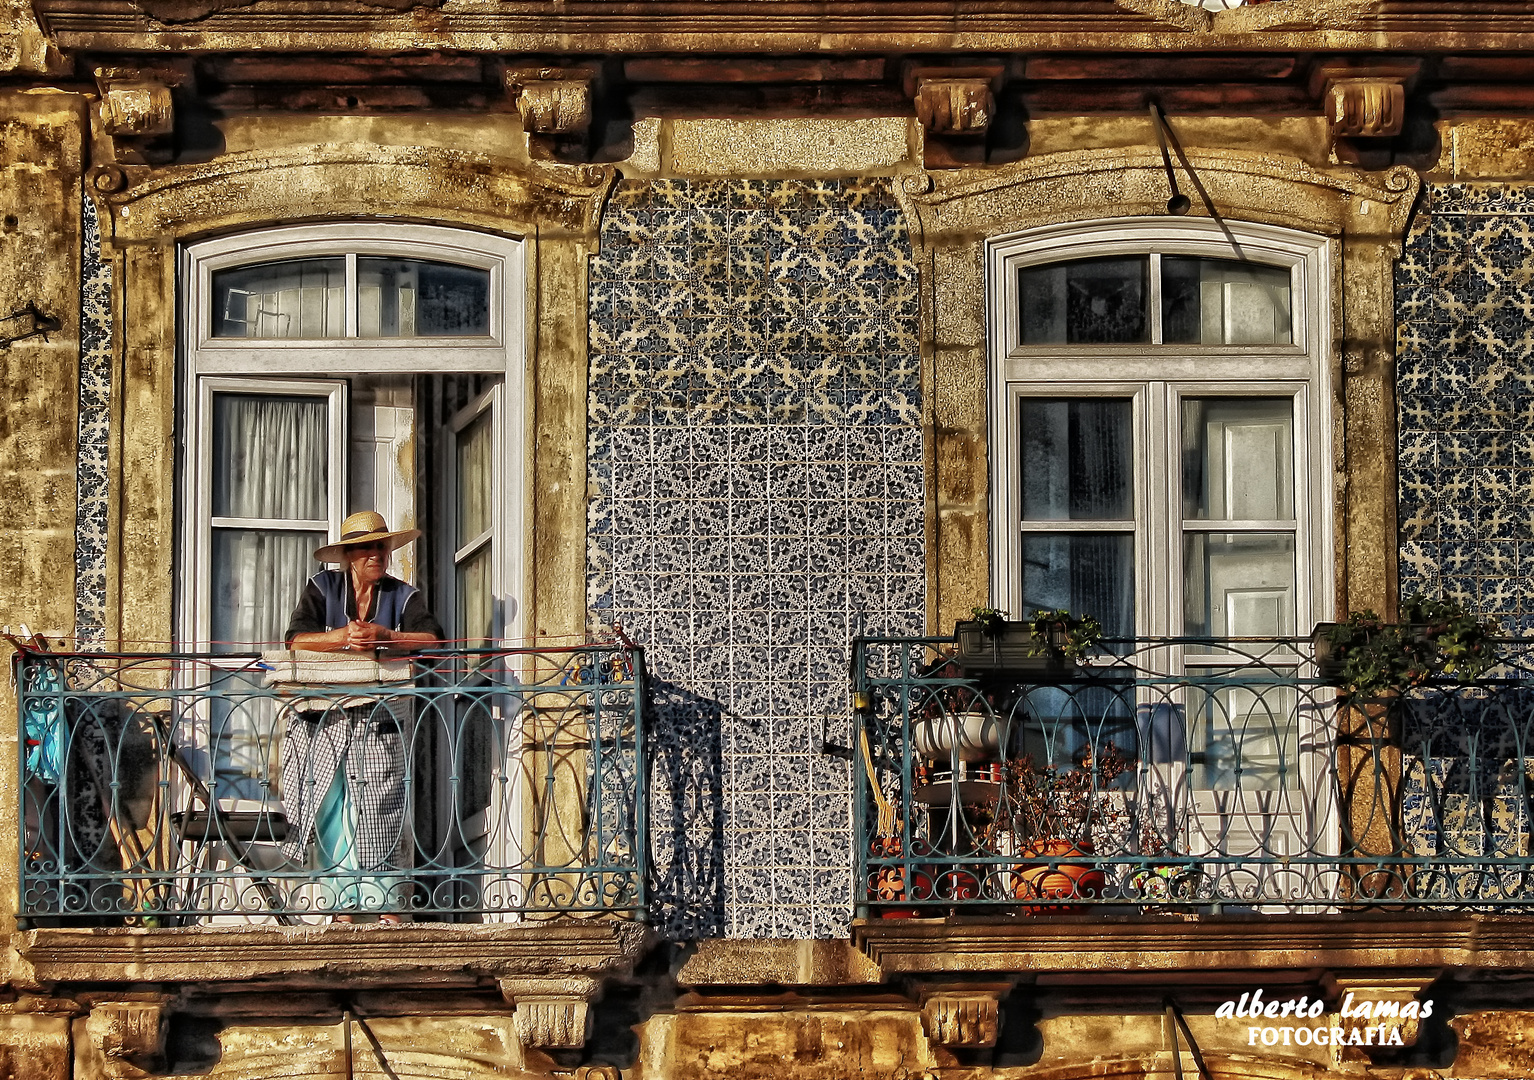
x=271 y=462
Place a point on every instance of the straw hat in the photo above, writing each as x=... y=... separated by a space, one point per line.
x=364 y=527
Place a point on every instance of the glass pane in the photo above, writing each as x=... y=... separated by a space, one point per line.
x=415 y=298
x=301 y=298
x=1245 y=735
x=475 y=609
x=1224 y=302
x=1086 y=302
x=271 y=456
x=473 y=479
x=1088 y=573
x=1077 y=461
x=245 y=735
x=1238 y=584
x=1238 y=459
x=258 y=576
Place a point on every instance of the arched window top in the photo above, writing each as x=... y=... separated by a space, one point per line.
x=341 y=298
x=1153 y=286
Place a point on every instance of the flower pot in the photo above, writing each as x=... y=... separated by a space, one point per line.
x=969 y=736
x=1057 y=881
x=1012 y=651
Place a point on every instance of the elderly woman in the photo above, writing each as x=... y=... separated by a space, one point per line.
x=344 y=767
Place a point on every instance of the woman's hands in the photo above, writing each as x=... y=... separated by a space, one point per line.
x=359 y=636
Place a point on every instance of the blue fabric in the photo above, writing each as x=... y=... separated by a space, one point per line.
x=390 y=596
x=42 y=723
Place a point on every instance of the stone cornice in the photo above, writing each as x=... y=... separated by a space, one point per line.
x=755 y=26
x=1152 y=945
x=340 y=181
x=353 y=956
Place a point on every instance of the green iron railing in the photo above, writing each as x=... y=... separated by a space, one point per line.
x=169 y=789
x=1182 y=773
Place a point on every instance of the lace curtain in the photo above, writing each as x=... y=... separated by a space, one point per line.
x=271 y=465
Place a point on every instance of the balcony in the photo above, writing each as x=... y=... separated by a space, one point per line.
x=1188 y=778
x=500 y=786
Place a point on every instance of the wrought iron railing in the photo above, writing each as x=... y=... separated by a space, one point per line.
x=461 y=785
x=1185 y=774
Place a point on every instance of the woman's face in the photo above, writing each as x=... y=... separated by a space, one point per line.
x=368 y=562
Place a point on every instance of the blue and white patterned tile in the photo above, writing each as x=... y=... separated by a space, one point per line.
x=91 y=477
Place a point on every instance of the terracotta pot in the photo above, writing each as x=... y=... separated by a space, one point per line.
x=1057 y=881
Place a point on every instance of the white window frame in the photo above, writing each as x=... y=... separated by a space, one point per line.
x=1156 y=377
x=255 y=363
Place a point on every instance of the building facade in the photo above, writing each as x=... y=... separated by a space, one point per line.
x=720 y=350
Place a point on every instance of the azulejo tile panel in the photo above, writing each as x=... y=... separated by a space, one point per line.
x=1465 y=391
x=91 y=481
x=756 y=502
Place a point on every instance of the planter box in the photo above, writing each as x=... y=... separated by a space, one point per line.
x=1010 y=651
x=1329 y=660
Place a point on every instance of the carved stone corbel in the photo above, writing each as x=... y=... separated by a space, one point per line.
x=129 y=1035
x=134 y=109
x=552 y=1014
x=552 y=100
x=967 y=1016
x=1363 y=102
x=1385 y=999
x=954 y=101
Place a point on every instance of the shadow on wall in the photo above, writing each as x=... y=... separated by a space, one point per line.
x=687 y=812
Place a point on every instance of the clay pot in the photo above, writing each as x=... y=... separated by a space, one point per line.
x=1057 y=881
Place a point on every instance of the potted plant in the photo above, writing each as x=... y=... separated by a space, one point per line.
x=1045 y=647
x=1048 y=815
x=1369 y=658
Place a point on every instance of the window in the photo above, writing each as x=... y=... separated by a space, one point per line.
x=1161 y=425
x=329 y=369
x=1161 y=438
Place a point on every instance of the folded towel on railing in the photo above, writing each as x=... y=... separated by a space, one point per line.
x=303 y=667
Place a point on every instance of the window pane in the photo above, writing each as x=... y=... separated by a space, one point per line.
x=1244 y=737
x=1077 y=460
x=415 y=298
x=1238 y=584
x=301 y=298
x=271 y=456
x=475 y=609
x=258 y=575
x=1086 y=302
x=1238 y=459
x=473 y=479
x=1087 y=573
x=1224 y=302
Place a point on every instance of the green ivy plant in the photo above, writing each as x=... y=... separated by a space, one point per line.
x=1058 y=632
x=992 y=620
x=1434 y=638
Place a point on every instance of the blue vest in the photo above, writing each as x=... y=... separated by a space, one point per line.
x=390 y=596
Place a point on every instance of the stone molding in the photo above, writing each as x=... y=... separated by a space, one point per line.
x=524 y=26
x=129 y=1035
x=1371 y=950
x=252 y=190
x=336 y=955
x=1365 y=108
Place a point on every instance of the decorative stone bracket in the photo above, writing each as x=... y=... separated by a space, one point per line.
x=963 y=1016
x=1363 y=102
x=130 y=1036
x=954 y=101
x=1386 y=994
x=552 y=1013
x=134 y=109
x=552 y=100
